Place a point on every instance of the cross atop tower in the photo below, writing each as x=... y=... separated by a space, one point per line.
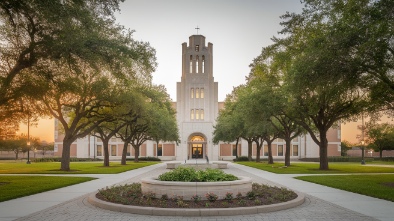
x=197 y=29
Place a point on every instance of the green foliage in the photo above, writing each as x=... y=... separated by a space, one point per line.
x=211 y=197
x=57 y=159
x=379 y=186
x=339 y=159
x=189 y=174
x=380 y=137
x=131 y=194
x=387 y=159
x=241 y=158
x=145 y=159
x=16 y=186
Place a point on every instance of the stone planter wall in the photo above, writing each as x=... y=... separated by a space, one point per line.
x=188 y=189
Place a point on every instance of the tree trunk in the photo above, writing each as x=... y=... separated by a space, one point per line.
x=258 y=151
x=323 y=151
x=250 y=143
x=65 y=162
x=16 y=155
x=380 y=154
x=236 y=148
x=137 y=153
x=270 y=158
x=106 y=153
x=124 y=153
x=287 y=152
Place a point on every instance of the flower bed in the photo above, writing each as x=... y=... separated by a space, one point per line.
x=131 y=194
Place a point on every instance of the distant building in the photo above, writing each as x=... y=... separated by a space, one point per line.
x=197 y=108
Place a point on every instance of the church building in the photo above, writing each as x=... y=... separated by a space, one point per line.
x=197 y=109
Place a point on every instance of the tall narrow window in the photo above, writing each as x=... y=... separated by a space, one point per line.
x=234 y=150
x=99 y=150
x=295 y=150
x=197 y=114
x=197 y=93
x=128 y=153
x=202 y=114
x=160 y=150
x=192 y=93
x=191 y=64
x=280 y=150
x=203 y=64
x=201 y=92
x=197 y=61
x=192 y=114
x=113 y=150
x=265 y=150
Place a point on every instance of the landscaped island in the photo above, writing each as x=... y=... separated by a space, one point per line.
x=215 y=194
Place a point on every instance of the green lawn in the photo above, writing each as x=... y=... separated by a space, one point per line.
x=16 y=167
x=379 y=186
x=313 y=168
x=12 y=187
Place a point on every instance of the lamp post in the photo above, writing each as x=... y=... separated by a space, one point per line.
x=362 y=152
x=28 y=141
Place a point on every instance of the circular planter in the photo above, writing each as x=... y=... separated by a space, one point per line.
x=189 y=189
x=154 y=211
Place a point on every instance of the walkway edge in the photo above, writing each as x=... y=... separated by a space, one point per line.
x=155 y=211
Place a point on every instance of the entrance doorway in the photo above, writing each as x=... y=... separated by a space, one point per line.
x=197 y=147
x=197 y=151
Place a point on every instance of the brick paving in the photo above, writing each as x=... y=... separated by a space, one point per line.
x=312 y=209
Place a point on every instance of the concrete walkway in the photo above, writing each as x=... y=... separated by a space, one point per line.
x=322 y=203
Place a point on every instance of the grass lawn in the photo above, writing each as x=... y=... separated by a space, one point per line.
x=313 y=168
x=12 y=187
x=379 y=186
x=16 y=167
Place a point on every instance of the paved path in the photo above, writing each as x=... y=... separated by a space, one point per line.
x=322 y=203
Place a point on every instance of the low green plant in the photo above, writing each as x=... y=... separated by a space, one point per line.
x=164 y=197
x=189 y=174
x=241 y=158
x=196 y=198
x=251 y=195
x=211 y=196
x=229 y=196
x=239 y=195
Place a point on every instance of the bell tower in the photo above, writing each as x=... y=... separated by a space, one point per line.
x=197 y=100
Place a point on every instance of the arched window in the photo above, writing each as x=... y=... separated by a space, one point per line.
x=201 y=92
x=197 y=93
x=191 y=64
x=197 y=61
x=192 y=93
x=202 y=114
x=192 y=114
x=197 y=138
x=197 y=114
x=203 y=64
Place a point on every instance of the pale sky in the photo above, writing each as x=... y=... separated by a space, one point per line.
x=238 y=29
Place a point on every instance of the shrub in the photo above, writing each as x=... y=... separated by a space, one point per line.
x=211 y=197
x=58 y=159
x=144 y=159
x=189 y=174
x=241 y=158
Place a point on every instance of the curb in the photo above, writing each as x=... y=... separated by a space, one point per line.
x=156 y=211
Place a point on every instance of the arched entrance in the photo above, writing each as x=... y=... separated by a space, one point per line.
x=197 y=146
